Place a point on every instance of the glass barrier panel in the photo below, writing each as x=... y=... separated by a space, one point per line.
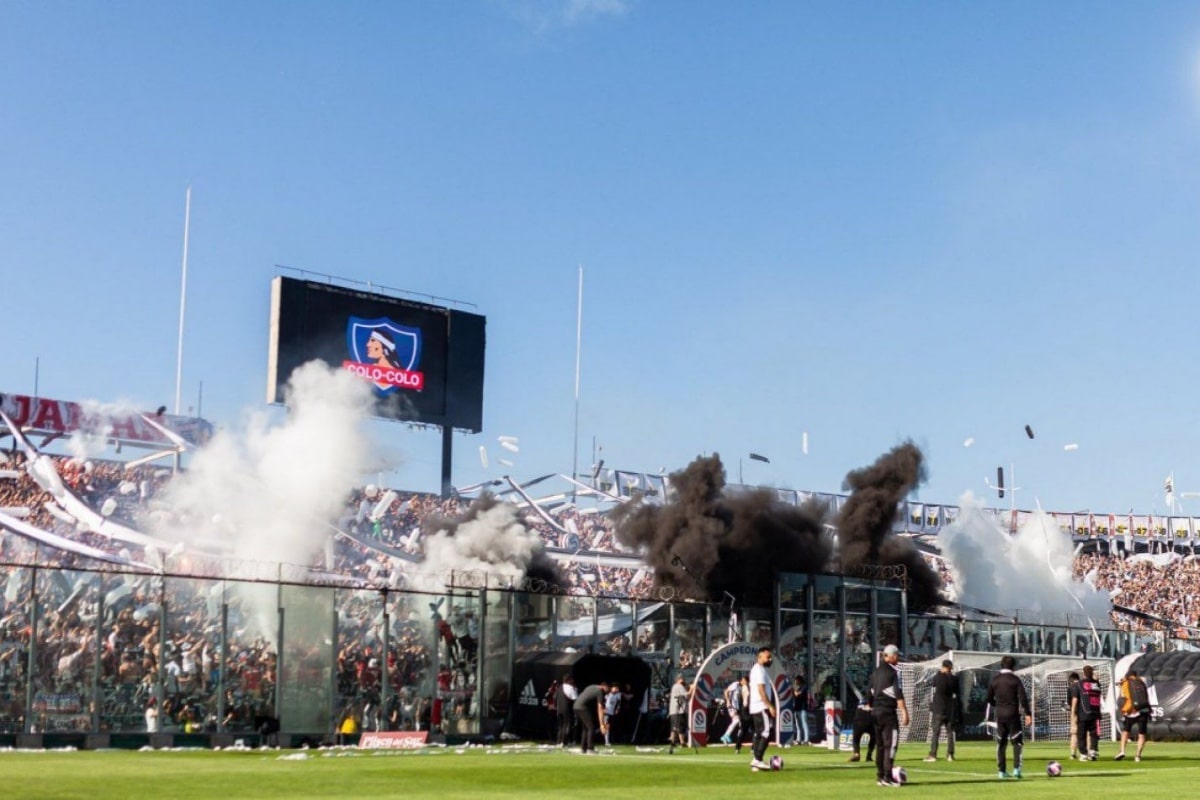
x=66 y=650
x=689 y=635
x=653 y=629
x=535 y=622
x=251 y=612
x=14 y=648
x=826 y=682
x=306 y=661
x=358 y=666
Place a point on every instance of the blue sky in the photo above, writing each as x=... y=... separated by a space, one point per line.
x=864 y=221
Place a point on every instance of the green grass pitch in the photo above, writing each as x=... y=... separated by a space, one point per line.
x=529 y=771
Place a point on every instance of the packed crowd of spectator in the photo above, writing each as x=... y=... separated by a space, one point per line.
x=391 y=520
x=123 y=632
x=382 y=524
x=1162 y=591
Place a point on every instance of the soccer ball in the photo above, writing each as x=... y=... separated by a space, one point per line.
x=776 y=763
x=899 y=775
x=1054 y=769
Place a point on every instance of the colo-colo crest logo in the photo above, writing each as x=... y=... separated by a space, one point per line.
x=385 y=353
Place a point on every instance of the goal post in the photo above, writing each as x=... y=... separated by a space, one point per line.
x=1045 y=678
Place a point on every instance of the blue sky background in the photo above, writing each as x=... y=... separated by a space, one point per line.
x=866 y=221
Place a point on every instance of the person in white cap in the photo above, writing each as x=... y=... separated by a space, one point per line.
x=886 y=697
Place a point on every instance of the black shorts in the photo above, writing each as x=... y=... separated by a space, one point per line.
x=679 y=722
x=1139 y=723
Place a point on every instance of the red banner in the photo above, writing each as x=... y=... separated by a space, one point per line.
x=45 y=415
x=387 y=376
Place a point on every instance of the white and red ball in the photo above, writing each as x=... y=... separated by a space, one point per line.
x=1054 y=769
x=899 y=775
x=776 y=763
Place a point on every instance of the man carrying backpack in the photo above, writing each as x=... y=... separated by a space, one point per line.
x=1135 y=706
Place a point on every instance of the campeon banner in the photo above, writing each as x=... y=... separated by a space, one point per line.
x=723 y=667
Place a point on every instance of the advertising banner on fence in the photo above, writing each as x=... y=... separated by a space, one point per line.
x=393 y=740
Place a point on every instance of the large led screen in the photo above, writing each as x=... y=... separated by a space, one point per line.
x=424 y=362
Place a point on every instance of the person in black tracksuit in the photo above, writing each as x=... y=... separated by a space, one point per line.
x=886 y=697
x=863 y=725
x=943 y=710
x=1007 y=696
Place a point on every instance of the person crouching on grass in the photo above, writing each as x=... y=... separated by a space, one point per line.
x=589 y=708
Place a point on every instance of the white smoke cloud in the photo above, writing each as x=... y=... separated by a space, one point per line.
x=269 y=492
x=1029 y=572
x=495 y=542
x=95 y=429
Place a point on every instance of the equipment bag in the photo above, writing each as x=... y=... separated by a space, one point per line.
x=1139 y=695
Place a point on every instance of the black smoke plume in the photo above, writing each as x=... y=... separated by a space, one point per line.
x=865 y=537
x=706 y=542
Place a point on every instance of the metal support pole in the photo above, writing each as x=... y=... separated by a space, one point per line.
x=481 y=693
x=279 y=659
x=31 y=660
x=841 y=623
x=222 y=665
x=447 y=458
x=809 y=661
x=160 y=682
x=385 y=688
x=96 y=699
x=334 y=710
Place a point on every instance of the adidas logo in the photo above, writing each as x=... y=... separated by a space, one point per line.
x=529 y=696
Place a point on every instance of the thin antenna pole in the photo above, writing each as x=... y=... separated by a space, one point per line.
x=578 y=350
x=37 y=370
x=187 y=217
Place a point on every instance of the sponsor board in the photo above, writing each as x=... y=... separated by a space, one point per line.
x=393 y=740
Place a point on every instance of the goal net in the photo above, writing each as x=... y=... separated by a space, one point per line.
x=1045 y=679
